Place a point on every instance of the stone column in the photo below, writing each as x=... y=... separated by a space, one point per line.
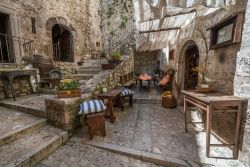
x=242 y=84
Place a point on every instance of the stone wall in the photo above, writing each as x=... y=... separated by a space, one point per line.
x=220 y=68
x=117 y=25
x=21 y=86
x=81 y=18
x=146 y=61
x=242 y=85
x=222 y=58
x=113 y=79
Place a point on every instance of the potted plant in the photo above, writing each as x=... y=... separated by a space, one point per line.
x=116 y=56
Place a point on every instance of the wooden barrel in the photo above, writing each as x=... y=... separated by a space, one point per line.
x=168 y=101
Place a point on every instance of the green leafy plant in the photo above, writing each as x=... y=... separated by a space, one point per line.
x=124 y=21
x=69 y=84
x=116 y=55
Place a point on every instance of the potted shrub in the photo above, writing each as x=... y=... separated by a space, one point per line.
x=116 y=56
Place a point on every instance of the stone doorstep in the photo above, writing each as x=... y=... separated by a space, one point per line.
x=157 y=159
x=24 y=108
x=20 y=132
x=39 y=152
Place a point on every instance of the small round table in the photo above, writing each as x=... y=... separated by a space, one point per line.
x=145 y=77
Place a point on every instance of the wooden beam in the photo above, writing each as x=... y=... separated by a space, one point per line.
x=181 y=13
x=165 y=29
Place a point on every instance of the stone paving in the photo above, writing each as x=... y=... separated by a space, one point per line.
x=152 y=128
x=76 y=154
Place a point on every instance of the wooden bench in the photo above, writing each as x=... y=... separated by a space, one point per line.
x=127 y=80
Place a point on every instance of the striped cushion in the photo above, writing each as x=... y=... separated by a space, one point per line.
x=92 y=106
x=127 y=92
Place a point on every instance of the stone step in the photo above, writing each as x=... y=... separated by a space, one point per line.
x=83 y=76
x=24 y=108
x=83 y=82
x=92 y=67
x=30 y=149
x=98 y=61
x=15 y=124
x=88 y=71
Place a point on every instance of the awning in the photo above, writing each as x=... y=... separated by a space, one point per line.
x=160 y=21
x=155 y=34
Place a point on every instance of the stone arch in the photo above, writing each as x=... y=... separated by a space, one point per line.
x=179 y=66
x=66 y=27
x=61 y=21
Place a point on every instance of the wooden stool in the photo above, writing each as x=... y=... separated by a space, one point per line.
x=96 y=122
x=130 y=100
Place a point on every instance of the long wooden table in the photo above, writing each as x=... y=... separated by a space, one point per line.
x=111 y=95
x=215 y=102
x=10 y=75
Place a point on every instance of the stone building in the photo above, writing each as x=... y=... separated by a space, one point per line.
x=203 y=41
x=184 y=35
x=66 y=31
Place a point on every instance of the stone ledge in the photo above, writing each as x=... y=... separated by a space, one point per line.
x=145 y=156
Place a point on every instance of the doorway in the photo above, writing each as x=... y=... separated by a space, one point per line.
x=62 y=44
x=191 y=62
x=5 y=40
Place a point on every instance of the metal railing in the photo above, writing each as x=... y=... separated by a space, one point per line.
x=13 y=47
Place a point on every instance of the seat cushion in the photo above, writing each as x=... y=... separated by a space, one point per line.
x=165 y=80
x=127 y=92
x=92 y=106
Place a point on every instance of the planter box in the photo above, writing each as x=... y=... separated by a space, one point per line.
x=69 y=93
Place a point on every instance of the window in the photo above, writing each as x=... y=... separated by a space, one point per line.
x=227 y=32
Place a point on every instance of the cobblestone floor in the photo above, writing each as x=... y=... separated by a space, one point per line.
x=152 y=128
x=76 y=154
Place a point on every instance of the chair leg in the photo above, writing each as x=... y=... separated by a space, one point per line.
x=131 y=100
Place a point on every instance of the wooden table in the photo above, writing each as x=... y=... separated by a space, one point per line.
x=111 y=95
x=149 y=81
x=10 y=75
x=215 y=102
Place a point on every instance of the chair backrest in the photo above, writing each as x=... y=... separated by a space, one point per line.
x=44 y=64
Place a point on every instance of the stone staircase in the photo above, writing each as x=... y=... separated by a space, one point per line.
x=26 y=139
x=88 y=74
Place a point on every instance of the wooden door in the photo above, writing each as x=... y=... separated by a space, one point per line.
x=191 y=61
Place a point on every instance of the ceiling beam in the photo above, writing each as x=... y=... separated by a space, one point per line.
x=165 y=29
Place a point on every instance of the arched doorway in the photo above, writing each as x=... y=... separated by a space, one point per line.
x=62 y=44
x=191 y=62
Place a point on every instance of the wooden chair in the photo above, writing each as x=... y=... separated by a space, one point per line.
x=167 y=86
